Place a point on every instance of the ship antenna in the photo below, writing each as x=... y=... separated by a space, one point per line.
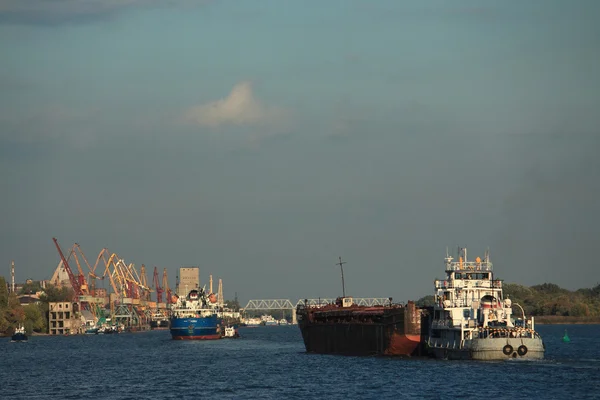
x=341 y=263
x=12 y=276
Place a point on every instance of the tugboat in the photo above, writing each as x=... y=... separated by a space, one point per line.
x=230 y=333
x=19 y=335
x=196 y=317
x=472 y=320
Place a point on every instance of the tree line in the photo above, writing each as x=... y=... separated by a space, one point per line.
x=547 y=299
x=33 y=316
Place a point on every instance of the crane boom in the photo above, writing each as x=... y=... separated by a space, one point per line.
x=72 y=278
x=165 y=287
x=157 y=287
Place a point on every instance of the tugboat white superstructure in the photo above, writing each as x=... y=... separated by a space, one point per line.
x=472 y=320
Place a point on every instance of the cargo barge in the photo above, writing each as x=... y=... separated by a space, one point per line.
x=349 y=329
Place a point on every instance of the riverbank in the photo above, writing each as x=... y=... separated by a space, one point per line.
x=559 y=319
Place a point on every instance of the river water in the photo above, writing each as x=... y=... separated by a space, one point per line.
x=270 y=363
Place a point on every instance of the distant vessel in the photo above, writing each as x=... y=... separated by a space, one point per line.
x=19 y=335
x=251 y=322
x=230 y=333
x=472 y=320
x=159 y=321
x=268 y=320
x=350 y=329
x=196 y=317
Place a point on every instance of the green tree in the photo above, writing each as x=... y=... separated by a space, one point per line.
x=54 y=294
x=232 y=304
x=580 y=310
x=3 y=293
x=34 y=318
x=14 y=313
x=426 y=301
x=4 y=324
x=30 y=288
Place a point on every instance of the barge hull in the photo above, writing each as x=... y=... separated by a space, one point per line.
x=362 y=331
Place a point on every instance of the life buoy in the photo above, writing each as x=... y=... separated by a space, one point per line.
x=522 y=350
x=508 y=349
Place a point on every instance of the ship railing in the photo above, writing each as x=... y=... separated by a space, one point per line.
x=467 y=284
x=443 y=323
x=469 y=265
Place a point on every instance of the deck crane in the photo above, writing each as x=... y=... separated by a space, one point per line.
x=74 y=281
x=157 y=287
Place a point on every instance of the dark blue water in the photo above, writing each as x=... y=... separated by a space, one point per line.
x=270 y=363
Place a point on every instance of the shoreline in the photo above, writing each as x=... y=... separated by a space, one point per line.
x=560 y=320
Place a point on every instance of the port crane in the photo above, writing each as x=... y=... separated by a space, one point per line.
x=157 y=287
x=130 y=300
x=74 y=280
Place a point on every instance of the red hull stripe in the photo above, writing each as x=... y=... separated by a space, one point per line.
x=202 y=337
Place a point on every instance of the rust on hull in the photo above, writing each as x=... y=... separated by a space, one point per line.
x=393 y=330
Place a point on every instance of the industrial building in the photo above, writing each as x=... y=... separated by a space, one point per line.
x=62 y=319
x=189 y=279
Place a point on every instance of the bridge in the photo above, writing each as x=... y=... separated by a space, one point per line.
x=286 y=304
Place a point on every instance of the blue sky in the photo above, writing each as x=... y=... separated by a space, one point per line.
x=260 y=140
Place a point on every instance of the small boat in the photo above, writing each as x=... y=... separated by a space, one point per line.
x=159 y=321
x=251 y=322
x=268 y=320
x=230 y=333
x=19 y=335
x=471 y=319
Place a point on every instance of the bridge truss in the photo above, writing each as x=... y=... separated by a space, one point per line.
x=285 y=304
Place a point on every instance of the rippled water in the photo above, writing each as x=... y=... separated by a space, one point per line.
x=270 y=363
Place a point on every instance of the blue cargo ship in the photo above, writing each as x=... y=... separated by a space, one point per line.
x=196 y=317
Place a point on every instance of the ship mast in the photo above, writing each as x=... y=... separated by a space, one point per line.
x=341 y=263
x=12 y=274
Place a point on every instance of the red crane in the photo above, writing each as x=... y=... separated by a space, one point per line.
x=159 y=289
x=165 y=286
x=74 y=281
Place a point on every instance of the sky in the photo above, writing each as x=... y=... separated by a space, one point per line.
x=261 y=140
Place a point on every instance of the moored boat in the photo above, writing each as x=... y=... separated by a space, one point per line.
x=268 y=320
x=19 y=335
x=158 y=320
x=472 y=320
x=196 y=317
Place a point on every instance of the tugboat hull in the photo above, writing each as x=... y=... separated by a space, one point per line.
x=492 y=350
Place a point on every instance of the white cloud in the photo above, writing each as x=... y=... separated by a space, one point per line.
x=240 y=107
